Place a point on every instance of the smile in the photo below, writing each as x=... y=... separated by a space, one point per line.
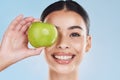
x=63 y=58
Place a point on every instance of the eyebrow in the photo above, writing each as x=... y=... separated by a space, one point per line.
x=75 y=27
x=72 y=27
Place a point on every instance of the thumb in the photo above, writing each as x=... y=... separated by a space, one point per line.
x=36 y=51
x=36 y=20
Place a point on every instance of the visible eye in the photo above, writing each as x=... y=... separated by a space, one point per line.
x=74 y=35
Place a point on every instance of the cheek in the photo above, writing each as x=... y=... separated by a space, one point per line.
x=78 y=44
x=48 y=52
x=79 y=48
x=48 y=55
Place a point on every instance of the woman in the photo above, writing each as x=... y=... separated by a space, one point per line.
x=65 y=55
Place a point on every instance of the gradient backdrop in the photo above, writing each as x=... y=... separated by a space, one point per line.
x=101 y=63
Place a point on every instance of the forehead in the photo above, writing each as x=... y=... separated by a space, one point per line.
x=65 y=19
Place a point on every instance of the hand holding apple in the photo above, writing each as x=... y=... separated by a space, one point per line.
x=42 y=34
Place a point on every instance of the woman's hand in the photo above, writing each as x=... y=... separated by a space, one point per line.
x=14 y=45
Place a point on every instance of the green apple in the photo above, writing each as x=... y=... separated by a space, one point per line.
x=42 y=34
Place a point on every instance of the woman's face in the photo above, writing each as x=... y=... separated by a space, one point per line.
x=66 y=53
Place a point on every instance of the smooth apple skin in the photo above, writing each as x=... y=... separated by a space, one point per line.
x=42 y=34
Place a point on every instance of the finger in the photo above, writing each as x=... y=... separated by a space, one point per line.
x=33 y=52
x=36 y=20
x=29 y=19
x=20 y=25
x=24 y=22
x=25 y=27
x=15 y=22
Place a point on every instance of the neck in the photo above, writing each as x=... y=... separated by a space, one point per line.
x=63 y=76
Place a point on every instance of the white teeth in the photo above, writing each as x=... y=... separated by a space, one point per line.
x=63 y=57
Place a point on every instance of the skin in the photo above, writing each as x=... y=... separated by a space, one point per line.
x=72 y=40
x=14 y=45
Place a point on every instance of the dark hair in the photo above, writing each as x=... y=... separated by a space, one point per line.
x=68 y=5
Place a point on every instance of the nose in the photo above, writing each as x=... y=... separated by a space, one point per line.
x=62 y=46
x=63 y=43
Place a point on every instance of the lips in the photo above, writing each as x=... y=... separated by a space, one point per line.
x=63 y=58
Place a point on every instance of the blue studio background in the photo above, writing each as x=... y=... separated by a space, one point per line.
x=103 y=60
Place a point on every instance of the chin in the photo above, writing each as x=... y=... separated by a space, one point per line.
x=63 y=69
